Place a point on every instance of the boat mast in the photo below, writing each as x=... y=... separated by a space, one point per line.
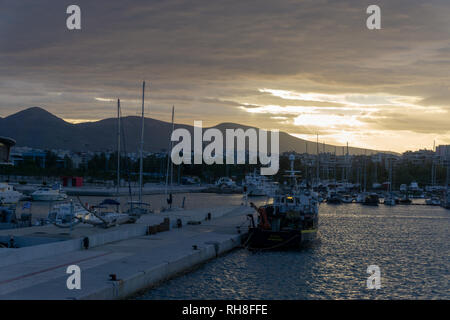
x=171 y=146
x=365 y=171
x=318 y=159
x=335 y=168
x=169 y=150
x=390 y=176
x=141 y=155
x=118 y=147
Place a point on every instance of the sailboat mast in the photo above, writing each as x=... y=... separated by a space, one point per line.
x=171 y=145
x=318 y=159
x=118 y=147
x=169 y=150
x=335 y=168
x=141 y=153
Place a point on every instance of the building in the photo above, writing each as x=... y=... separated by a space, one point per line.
x=5 y=149
x=419 y=157
x=443 y=151
x=72 y=181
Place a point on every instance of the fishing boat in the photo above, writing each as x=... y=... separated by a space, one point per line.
x=289 y=222
x=8 y=195
x=45 y=193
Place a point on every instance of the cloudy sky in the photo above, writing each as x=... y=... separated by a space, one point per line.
x=304 y=66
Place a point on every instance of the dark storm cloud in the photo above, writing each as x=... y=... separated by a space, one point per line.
x=211 y=57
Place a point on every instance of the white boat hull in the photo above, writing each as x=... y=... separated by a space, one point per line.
x=48 y=197
x=10 y=197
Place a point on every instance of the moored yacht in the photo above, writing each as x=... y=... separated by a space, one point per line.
x=433 y=201
x=8 y=195
x=371 y=199
x=389 y=200
x=53 y=193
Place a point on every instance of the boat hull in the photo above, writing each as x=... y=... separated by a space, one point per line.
x=47 y=197
x=279 y=240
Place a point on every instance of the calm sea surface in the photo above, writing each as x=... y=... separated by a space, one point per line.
x=410 y=244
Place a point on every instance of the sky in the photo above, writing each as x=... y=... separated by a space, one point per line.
x=304 y=67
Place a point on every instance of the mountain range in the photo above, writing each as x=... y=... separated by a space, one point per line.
x=37 y=128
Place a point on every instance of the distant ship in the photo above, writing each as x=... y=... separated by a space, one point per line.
x=289 y=222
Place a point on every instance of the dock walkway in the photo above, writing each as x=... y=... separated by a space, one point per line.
x=138 y=260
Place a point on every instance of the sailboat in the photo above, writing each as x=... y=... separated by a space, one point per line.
x=139 y=207
x=389 y=200
x=70 y=214
x=446 y=199
x=169 y=171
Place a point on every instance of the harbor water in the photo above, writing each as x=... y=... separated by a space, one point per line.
x=409 y=243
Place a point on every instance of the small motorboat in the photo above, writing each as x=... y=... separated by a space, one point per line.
x=334 y=198
x=8 y=195
x=433 y=201
x=371 y=199
x=53 y=193
x=404 y=200
x=347 y=198
x=389 y=200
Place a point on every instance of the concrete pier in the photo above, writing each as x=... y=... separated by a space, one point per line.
x=138 y=260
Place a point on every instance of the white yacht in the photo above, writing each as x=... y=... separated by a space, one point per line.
x=8 y=195
x=69 y=214
x=66 y=211
x=258 y=185
x=225 y=182
x=53 y=193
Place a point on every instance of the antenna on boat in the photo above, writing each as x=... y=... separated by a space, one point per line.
x=141 y=153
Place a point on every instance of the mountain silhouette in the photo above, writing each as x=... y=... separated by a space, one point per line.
x=37 y=128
